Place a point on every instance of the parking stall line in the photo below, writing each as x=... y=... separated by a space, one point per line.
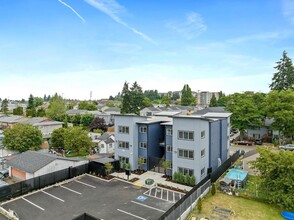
x=173 y=196
x=33 y=204
x=86 y=184
x=160 y=210
x=71 y=190
x=55 y=197
x=161 y=193
x=128 y=213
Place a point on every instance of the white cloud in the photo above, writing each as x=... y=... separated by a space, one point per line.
x=112 y=9
x=191 y=27
x=74 y=11
x=288 y=10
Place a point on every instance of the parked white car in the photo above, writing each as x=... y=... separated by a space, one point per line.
x=287 y=147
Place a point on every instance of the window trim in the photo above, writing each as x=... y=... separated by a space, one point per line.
x=169 y=131
x=143 y=129
x=185 y=152
x=124 y=143
x=187 y=134
x=123 y=129
x=141 y=146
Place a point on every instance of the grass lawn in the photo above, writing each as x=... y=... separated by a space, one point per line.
x=243 y=209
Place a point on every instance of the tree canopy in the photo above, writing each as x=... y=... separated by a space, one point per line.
x=57 y=108
x=187 y=96
x=276 y=170
x=283 y=79
x=87 y=106
x=18 y=111
x=22 y=137
x=86 y=119
x=213 y=101
x=4 y=106
x=98 y=123
x=280 y=107
x=57 y=138
x=132 y=99
x=246 y=110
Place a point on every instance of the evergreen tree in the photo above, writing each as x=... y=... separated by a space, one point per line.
x=18 y=111
x=137 y=98
x=126 y=99
x=187 y=97
x=4 y=106
x=31 y=102
x=213 y=101
x=283 y=79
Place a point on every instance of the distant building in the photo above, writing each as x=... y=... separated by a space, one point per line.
x=204 y=97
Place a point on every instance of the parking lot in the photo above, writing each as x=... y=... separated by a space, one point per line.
x=105 y=200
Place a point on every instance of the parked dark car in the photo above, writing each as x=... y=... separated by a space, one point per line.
x=3 y=174
x=247 y=143
x=258 y=142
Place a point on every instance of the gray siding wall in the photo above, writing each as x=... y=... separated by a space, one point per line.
x=132 y=138
x=196 y=125
x=168 y=141
x=225 y=139
x=215 y=144
x=142 y=138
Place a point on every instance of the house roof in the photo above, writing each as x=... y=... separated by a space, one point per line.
x=104 y=160
x=10 y=119
x=112 y=109
x=31 y=121
x=76 y=111
x=48 y=123
x=32 y=161
x=104 y=136
x=210 y=109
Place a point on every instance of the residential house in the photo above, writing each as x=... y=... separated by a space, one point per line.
x=104 y=144
x=194 y=144
x=31 y=164
x=265 y=132
x=8 y=121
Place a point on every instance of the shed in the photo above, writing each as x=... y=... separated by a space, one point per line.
x=98 y=165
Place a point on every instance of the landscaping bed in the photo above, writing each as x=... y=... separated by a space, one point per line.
x=172 y=188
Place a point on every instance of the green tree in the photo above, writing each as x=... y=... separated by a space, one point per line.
x=137 y=98
x=18 y=111
x=108 y=168
x=245 y=111
x=147 y=102
x=87 y=106
x=166 y=166
x=98 y=123
x=41 y=112
x=126 y=99
x=276 y=172
x=187 y=97
x=222 y=99
x=132 y=99
x=31 y=112
x=165 y=100
x=57 y=138
x=283 y=79
x=280 y=107
x=213 y=101
x=57 y=108
x=22 y=137
x=77 y=140
x=71 y=105
x=31 y=102
x=38 y=101
x=4 y=106
x=86 y=119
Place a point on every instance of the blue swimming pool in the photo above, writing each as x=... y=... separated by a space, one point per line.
x=237 y=175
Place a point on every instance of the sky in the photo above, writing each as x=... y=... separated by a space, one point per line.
x=75 y=47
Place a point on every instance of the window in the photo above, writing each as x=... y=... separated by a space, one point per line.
x=144 y=160
x=203 y=153
x=143 y=145
x=169 y=131
x=202 y=134
x=169 y=148
x=123 y=145
x=186 y=171
x=202 y=171
x=186 y=154
x=186 y=135
x=123 y=159
x=257 y=136
x=143 y=129
x=102 y=145
x=123 y=129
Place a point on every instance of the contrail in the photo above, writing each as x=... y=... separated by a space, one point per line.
x=74 y=11
x=112 y=8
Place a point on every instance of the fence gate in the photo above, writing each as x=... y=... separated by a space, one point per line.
x=155 y=164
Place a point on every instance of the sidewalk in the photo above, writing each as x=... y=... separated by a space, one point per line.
x=157 y=177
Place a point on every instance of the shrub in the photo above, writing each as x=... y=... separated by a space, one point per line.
x=213 y=190
x=176 y=176
x=192 y=180
x=187 y=179
x=199 y=204
x=181 y=178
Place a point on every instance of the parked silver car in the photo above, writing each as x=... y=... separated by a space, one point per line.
x=287 y=147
